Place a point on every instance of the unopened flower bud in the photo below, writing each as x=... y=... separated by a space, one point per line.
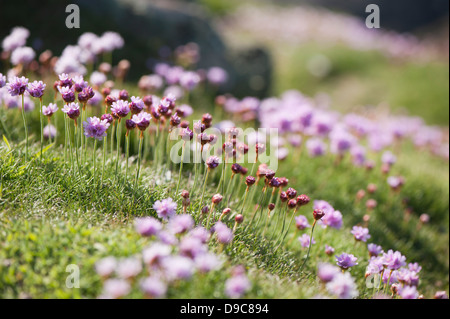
x=236 y=168
x=303 y=200
x=250 y=180
x=291 y=193
x=216 y=199
x=318 y=214
x=185 y=193
x=292 y=203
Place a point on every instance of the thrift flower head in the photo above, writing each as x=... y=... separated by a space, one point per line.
x=36 y=89
x=181 y=223
x=191 y=247
x=440 y=295
x=72 y=110
x=17 y=38
x=65 y=80
x=217 y=75
x=342 y=286
x=375 y=266
x=153 y=287
x=332 y=219
x=97 y=78
x=86 y=94
x=374 y=250
x=395 y=182
x=346 y=261
x=200 y=233
x=50 y=109
x=136 y=105
x=212 y=162
x=326 y=272
x=393 y=260
x=235 y=287
x=147 y=226
x=49 y=131
x=17 y=86
x=165 y=208
x=167 y=238
x=142 y=120
x=129 y=268
x=115 y=288
x=189 y=80
x=388 y=158
x=207 y=262
x=316 y=147
x=329 y=250
x=407 y=277
x=155 y=253
x=106 y=266
x=414 y=267
x=301 y=222
x=224 y=234
x=2 y=80
x=22 y=55
x=178 y=267
x=120 y=108
x=67 y=93
x=79 y=83
x=96 y=128
x=304 y=240
x=408 y=292
x=360 y=233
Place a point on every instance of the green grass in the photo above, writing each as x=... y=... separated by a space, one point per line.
x=359 y=78
x=51 y=218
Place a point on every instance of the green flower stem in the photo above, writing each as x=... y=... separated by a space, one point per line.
x=283 y=236
x=105 y=146
x=204 y=187
x=26 y=128
x=245 y=198
x=42 y=126
x=127 y=153
x=94 y=158
x=118 y=131
x=261 y=198
x=76 y=146
x=222 y=174
x=181 y=169
x=309 y=247
x=141 y=137
x=112 y=138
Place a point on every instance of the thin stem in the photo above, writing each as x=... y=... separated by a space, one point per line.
x=42 y=126
x=181 y=168
x=94 y=156
x=112 y=138
x=118 y=129
x=26 y=128
x=221 y=176
x=204 y=187
x=245 y=198
x=141 y=137
x=309 y=247
x=76 y=146
x=105 y=146
x=127 y=154
x=283 y=237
